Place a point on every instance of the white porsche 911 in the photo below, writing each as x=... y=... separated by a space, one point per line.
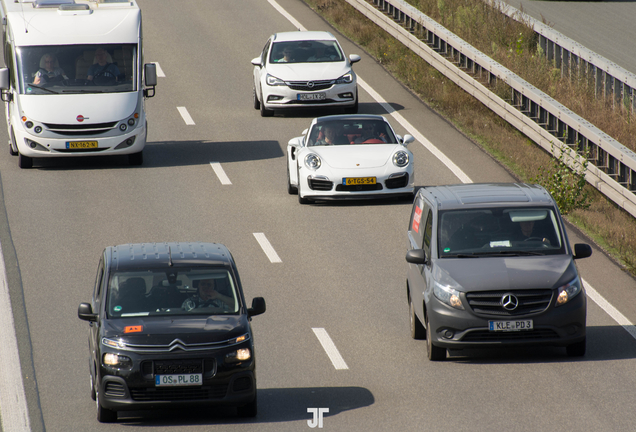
x=349 y=156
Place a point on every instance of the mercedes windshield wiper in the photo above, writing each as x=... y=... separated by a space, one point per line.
x=509 y=253
x=461 y=255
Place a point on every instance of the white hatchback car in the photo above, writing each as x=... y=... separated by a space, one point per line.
x=304 y=69
x=349 y=156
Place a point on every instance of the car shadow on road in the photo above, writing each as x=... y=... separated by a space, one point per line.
x=363 y=108
x=161 y=154
x=275 y=405
x=603 y=343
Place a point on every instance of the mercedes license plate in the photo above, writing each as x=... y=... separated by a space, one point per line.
x=311 y=96
x=81 y=144
x=178 y=380
x=507 y=326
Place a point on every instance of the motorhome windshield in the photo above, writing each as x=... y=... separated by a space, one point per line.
x=68 y=69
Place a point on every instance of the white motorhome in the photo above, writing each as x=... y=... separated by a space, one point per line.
x=72 y=84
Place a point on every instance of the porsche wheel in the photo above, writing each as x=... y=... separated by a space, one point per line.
x=292 y=190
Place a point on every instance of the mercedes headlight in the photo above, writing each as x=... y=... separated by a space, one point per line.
x=312 y=161
x=568 y=291
x=401 y=159
x=444 y=289
x=345 y=79
x=273 y=81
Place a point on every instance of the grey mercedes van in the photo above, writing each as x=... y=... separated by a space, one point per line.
x=490 y=265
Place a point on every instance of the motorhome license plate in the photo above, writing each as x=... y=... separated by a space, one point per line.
x=178 y=380
x=81 y=144
x=352 y=181
x=507 y=326
x=311 y=96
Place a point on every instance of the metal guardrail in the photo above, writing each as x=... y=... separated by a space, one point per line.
x=610 y=80
x=612 y=166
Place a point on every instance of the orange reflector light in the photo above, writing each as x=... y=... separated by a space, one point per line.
x=23 y=118
x=136 y=115
x=133 y=329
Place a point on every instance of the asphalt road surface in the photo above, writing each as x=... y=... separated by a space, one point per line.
x=341 y=268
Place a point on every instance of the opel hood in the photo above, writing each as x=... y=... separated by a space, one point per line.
x=308 y=71
x=65 y=108
x=510 y=273
x=356 y=156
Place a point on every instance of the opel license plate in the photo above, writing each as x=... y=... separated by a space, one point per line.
x=81 y=144
x=311 y=96
x=178 y=380
x=352 y=181
x=508 y=326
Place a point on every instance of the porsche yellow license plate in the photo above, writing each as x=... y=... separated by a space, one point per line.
x=352 y=181
x=81 y=144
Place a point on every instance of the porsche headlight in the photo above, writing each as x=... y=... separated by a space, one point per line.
x=401 y=159
x=273 y=81
x=312 y=161
x=345 y=79
x=568 y=291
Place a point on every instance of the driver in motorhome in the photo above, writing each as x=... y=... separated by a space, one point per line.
x=102 y=68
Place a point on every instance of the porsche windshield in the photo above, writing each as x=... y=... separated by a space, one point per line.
x=351 y=132
x=68 y=69
x=209 y=291
x=305 y=52
x=499 y=232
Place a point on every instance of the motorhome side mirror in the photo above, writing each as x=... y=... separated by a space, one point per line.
x=416 y=256
x=4 y=79
x=582 y=250
x=150 y=79
x=258 y=307
x=85 y=312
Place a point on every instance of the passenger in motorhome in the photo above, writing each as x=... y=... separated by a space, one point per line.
x=103 y=71
x=50 y=70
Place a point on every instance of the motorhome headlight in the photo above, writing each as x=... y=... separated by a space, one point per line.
x=568 y=291
x=345 y=79
x=312 y=161
x=37 y=129
x=123 y=127
x=273 y=81
x=401 y=159
x=131 y=121
x=29 y=124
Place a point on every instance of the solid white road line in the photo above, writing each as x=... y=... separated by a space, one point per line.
x=186 y=116
x=225 y=180
x=609 y=309
x=330 y=348
x=13 y=406
x=286 y=14
x=267 y=248
x=159 y=70
x=461 y=175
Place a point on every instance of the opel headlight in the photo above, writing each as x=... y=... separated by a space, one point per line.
x=401 y=159
x=568 y=291
x=312 y=161
x=273 y=81
x=345 y=79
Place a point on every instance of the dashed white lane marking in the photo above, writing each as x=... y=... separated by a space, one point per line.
x=267 y=248
x=225 y=180
x=13 y=406
x=186 y=116
x=330 y=348
x=159 y=70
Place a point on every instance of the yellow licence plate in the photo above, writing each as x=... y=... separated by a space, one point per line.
x=358 y=181
x=81 y=144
